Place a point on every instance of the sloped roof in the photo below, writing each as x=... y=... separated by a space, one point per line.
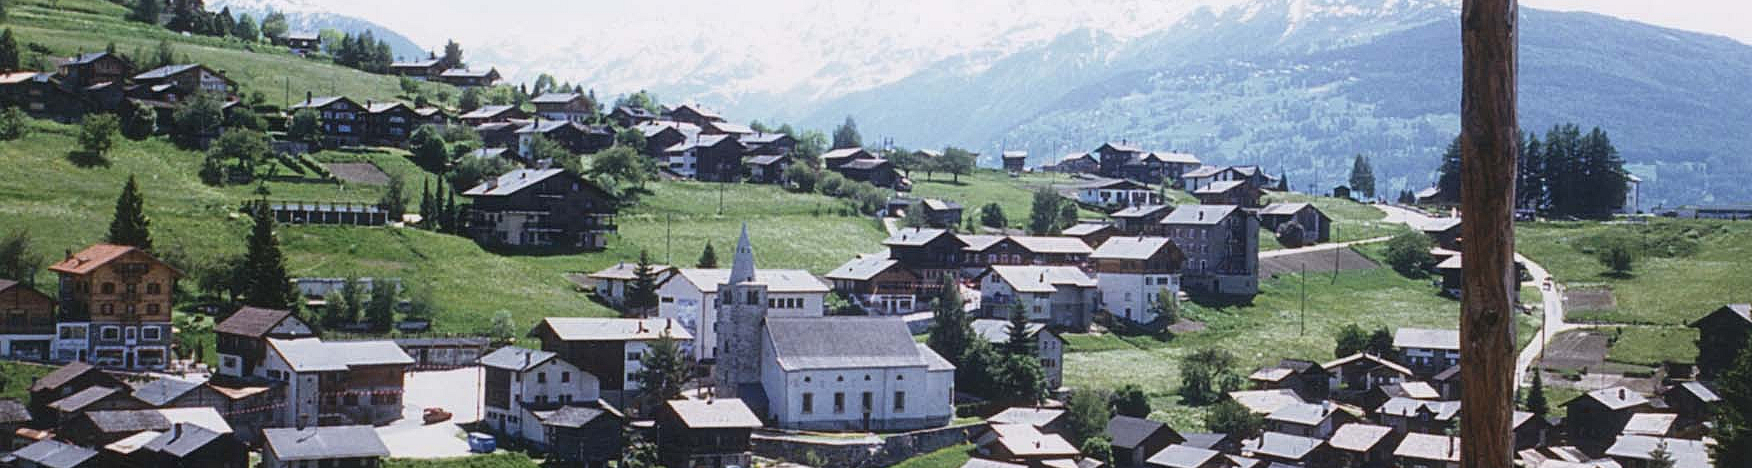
x=1203 y=171
x=1743 y=311
x=1014 y=154
x=862 y=267
x=865 y=163
x=61 y=376
x=1130 y=432
x=165 y=71
x=1271 y=374
x=1616 y=398
x=779 y=281
x=979 y=242
x=570 y=416
x=1138 y=211
x=1303 y=413
x=913 y=236
x=55 y=454
x=1120 y=147
x=846 y=153
x=1419 y=390
x=1284 y=209
x=697 y=109
x=318 y=102
x=80 y=399
x=733 y=128
x=1686 y=453
x=1651 y=424
x=511 y=182
x=615 y=329
x=545 y=126
x=1429 y=447
x=1084 y=229
x=842 y=343
x=984 y=463
x=315 y=355
x=1053 y=245
x=488 y=152
x=1358 y=437
x=381 y=107
x=998 y=331
x=1280 y=445
x=1037 y=417
x=516 y=359
x=934 y=362
x=427 y=63
x=487 y=112
x=1131 y=248
x=1023 y=440
x=629 y=271
x=1437 y=224
x=720 y=413
x=163 y=391
x=935 y=204
x=12 y=411
x=320 y=442
x=1265 y=401
x=1042 y=278
x=1379 y=361
x=764 y=160
x=97 y=255
x=466 y=73
x=1180 y=158
x=1199 y=214
x=1219 y=187
x=1426 y=338
x=1116 y=184
x=182 y=439
x=1699 y=390
x=87 y=57
x=1401 y=406
x=128 y=420
x=252 y=321
x=554 y=98
x=1181 y=456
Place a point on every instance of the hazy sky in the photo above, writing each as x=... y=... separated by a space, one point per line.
x=1732 y=18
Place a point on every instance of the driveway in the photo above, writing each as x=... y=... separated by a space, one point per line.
x=457 y=391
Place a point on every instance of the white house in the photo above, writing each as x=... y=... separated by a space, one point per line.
x=853 y=373
x=521 y=386
x=1059 y=295
x=1118 y=193
x=610 y=348
x=691 y=297
x=1047 y=345
x=613 y=283
x=1133 y=272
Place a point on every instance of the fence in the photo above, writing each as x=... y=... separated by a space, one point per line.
x=335 y=213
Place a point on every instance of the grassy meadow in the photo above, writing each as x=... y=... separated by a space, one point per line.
x=1683 y=270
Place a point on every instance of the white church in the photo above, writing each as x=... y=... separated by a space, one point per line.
x=809 y=371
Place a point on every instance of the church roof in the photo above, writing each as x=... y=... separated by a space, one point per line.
x=842 y=343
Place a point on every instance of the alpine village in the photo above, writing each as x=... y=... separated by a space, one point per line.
x=231 y=243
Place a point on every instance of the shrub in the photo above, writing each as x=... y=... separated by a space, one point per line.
x=1409 y=254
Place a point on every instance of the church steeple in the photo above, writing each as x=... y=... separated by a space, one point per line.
x=742 y=267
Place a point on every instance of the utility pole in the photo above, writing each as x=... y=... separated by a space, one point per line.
x=668 y=242
x=1489 y=152
x=1304 y=326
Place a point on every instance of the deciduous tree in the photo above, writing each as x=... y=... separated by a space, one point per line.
x=1130 y=400
x=97 y=133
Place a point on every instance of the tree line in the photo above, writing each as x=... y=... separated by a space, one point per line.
x=1568 y=174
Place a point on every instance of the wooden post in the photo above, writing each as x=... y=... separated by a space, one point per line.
x=1487 y=192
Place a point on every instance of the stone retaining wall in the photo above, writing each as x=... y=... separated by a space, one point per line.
x=869 y=452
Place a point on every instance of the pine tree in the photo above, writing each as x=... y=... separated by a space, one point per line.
x=1536 y=403
x=1362 y=177
x=1021 y=343
x=708 y=258
x=1530 y=177
x=846 y=135
x=643 y=292
x=1733 y=415
x=394 y=203
x=1449 y=179
x=452 y=54
x=146 y=11
x=380 y=311
x=1606 y=181
x=266 y=283
x=663 y=373
x=8 y=51
x=951 y=332
x=428 y=210
x=130 y=226
x=452 y=213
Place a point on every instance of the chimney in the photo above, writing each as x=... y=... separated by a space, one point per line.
x=307 y=96
x=1621 y=393
x=175 y=431
x=526 y=358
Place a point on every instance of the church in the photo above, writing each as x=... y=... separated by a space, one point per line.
x=824 y=373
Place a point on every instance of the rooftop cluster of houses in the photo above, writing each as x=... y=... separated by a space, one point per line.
x=439 y=70
x=104 y=82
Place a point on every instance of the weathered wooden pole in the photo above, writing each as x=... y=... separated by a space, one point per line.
x=1487 y=192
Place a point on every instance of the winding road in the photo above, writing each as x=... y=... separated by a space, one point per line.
x=1550 y=290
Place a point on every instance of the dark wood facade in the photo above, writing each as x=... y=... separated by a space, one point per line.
x=560 y=210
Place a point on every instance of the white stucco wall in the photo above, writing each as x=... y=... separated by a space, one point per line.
x=1126 y=295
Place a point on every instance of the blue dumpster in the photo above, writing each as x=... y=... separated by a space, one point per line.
x=482 y=443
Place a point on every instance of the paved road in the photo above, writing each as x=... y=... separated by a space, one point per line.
x=1319 y=247
x=1397 y=214
x=457 y=391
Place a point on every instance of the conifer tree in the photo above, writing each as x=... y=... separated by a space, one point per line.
x=1449 y=179
x=663 y=372
x=453 y=213
x=264 y=266
x=440 y=211
x=1536 y=403
x=1021 y=343
x=1530 y=176
x=643 y=292
x=380 y=311
x=846 y=135
x=427 y=211
x=951 y=332
x=146 y=11
x=394 y=203
x=8 y=51
x=130 y=226
x=708 y=257
x=1733 y=415
x=1362 y=177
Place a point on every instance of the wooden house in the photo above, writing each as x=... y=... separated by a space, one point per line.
x=388 y=123
x=61 y=383
x=711 y=433
x=183 y=445
x=51 y=453
x=1077 y=163
x=1694 y=402
x=1427 y=351
x=1307 y=378
x=583 y=435
x=118 y=299
x=184 y=80
x=545 y=207
x=84 y=70
x=1234 y=192
x=1045 y=420
x=1293 y=450
x=1596 y=417
x=242 y=338
x=342 y=119
x=767 y=169
x=834 y=158
x=1091 y=233
x=608 y=348
x=880 y=284
x=570 y=107
x=42 y=96
x=1061 y=296
x=422 y=70
x=1177 y=456
x=27 y=321
x=629 y=117
x=1417 y=450
x=337 y=382
x=576 y=138
x=940 y=213
x=767 y=144
x=1114 y=156
x=1136 y=440
x=1139 y=220
x=1015 y=161
x=1022 y=443
x=1360 y=445
x=1316 y=420
x=1444 y=232
x=1351 y=377
x=302 y=42
x=712 y=158
x=693 y=114
x=1406 y=415
x=612 y=284
x=336 y=446
x=931 y=253
x=1531 y=430
x=13 y=415
x=1316 y=227
x=1250 y=176
x=984 y=251
x=465 y=78
x=878 y=172
x=1721 y=334
x=492 y=114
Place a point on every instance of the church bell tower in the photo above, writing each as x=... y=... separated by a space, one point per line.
x=742 y=310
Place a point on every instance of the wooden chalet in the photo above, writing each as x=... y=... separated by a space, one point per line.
x=1316 y=226
x=573 y=107
x=575 y=137
x=1015 y=161
x=1137 y=439
x=693 y=114
x=491 y=114
x=541 y=207
x=710 y=433
x=84 y=70
x=1139 y=219
x=629 y=117
x=389 y=123
x=421 y=70
x=1720 y=335
x=185 y=80
x=42 y=96
x=878 y=172
x=28 y=326
x=242 y=341
x=466 y=78
x=880 y=284
x=342 y=119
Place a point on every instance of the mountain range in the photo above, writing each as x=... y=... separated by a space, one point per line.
x=1296 y=86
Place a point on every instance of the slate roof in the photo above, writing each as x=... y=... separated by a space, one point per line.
x=1041 y=279
x=545 y=126
x=1419 y=390
x=1138 y=211
x=1053 y=245
x=979 y=242
x=165 y=71
x=1219 y=187
x=1129 y=432
x=1425 y=338
x=1084 y=229
x=1199 y=214
x=1284 y=209
x=1437 y=224
x=203 y=416
x=316 y=102
x=511 y=182
x=381 y=107
x=912 y=237
x=515 y=359
x=765 y=159
x=1203 y=171
x=1037 y=417
x=1406 y=407
x=846 y=153
x=323 y=442
x=939 y=205
x=486 y=112
x=628 y=271
x=1744 y=311
x=1650 y=424
x=1280 y=445
x=998 y=331
x=129 y=421
x=163 y=391
x=83 y=398
x=12 y=411
x=984 y=463
x=1429 y=447
x=933 y=361
x=721 y=413
x=1265 y=401
x=1358 y=437
x=61 y=376
x=315 y=355
x=615 y=329
x=779 y=281
x=1303 y=413
x=182 y=439
x=862 y=268
x=1379 y=361
x=570 y=416
x=732 y=128
x=1130 y=248
x=466 y=73
x=1453 y=262
x=865 y=163
x=55 y=454
x=1271 y=374
x=85 y=58
x=427 y=63
x=842 y=343
x=1203 y=440
x=1181 y=158
x=1615 y=398
x=1699 y=390
x=1120 y=147
x=1115 y=184
x=1181 y=456
x=253 y=322
x=554 y=98
x=1023 y=440
x=1686 y=453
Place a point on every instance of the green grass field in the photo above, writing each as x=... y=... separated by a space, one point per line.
x=18 y=376
x=68 y=27
x=1351 y=221
x=496 y=460
x=986 y=186
x=1659 y=290
x=950 y=457
x=1650 y=346
x=66 y=206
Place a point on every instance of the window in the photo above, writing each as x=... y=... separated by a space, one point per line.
x=753 y=298
x=131 y=288
x=152 y=309
x=109 y=288
x=565 y=377
x=808 y=402
x=839 y=402
x=107 y=309
x=869 y=401
x=385 y=399
x=540 y=377
x=110 y=333
x=350 y=400
x=541 y=398
x=899 y=402
x=149 y=334
x=632 y=355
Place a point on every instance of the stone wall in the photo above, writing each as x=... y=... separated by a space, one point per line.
x=867 y=452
